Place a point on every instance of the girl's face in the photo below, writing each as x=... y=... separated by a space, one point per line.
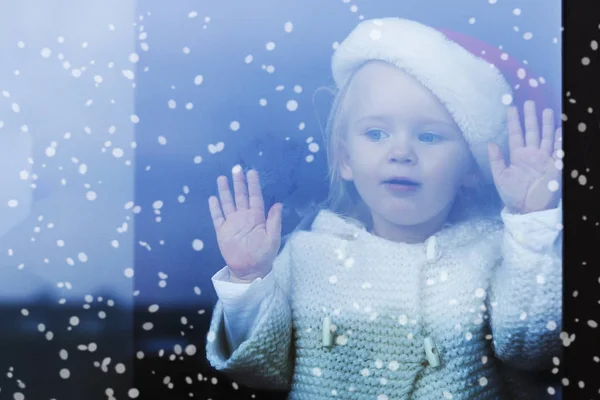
x=395 y=128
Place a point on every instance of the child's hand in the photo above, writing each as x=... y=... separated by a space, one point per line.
x=524 y=185
x=248 y=243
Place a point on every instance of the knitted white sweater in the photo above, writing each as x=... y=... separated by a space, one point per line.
x=487 y=295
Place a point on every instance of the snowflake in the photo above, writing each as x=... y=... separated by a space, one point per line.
x=342 y=340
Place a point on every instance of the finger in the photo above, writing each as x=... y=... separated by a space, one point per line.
x=274 y=221
x=239 y=188
x=256 y=198
x=532 y=131
x=558 y=142
x=515 y=134
x=547 y=131
x=497 y=163
x=225 y=196
x=215 y=212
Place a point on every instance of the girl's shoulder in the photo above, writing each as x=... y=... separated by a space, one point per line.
x=323 y=220
x=473 y=232
x=488 y=224
x=305 y=225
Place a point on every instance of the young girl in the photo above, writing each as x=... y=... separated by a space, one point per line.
x=404 y=287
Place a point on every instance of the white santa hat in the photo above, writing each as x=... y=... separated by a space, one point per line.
x=473 y=90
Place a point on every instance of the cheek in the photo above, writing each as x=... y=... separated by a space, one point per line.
x=362 y=160
x=364 y=165
x=447 y=169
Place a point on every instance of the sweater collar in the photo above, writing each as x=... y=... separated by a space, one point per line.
x=455 y=235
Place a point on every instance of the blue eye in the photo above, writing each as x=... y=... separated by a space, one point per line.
x=429 y=137
x=376 y=131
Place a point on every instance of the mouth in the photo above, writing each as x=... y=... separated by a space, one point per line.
x=402 y=181
x=401 y=184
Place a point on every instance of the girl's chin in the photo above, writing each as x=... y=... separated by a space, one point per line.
x=403 y=216
x=406 y=213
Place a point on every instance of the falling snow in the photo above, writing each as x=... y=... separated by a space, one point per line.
x=197 y=245
x=103 y=78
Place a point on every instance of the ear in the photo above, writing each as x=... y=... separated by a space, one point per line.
x=345 y=169
x=473 y=178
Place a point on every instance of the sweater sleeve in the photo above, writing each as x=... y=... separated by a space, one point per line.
x=264 y=360
x=242 y=303
x=526 y=290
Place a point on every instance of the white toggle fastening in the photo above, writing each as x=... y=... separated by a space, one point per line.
x=432 y=250
x=327 y=334
x=432 y=352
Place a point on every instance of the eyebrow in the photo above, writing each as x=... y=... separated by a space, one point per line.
x=387 y=119
x=379 y=118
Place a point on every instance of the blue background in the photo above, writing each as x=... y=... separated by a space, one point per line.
x=231 y=90
x=53 y=102
x=76 y=100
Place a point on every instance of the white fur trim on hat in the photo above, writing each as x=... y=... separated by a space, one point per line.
x=473 y=90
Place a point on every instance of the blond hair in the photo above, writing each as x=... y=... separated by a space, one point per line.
x=343 y=198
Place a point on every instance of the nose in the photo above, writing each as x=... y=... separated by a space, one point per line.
x=402 y=151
